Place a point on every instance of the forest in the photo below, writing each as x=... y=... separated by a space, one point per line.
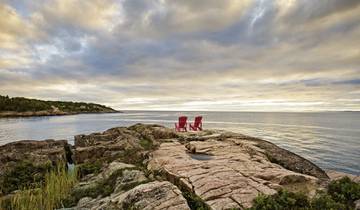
x=21 y=104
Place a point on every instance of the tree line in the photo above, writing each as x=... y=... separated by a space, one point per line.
x=21 y=104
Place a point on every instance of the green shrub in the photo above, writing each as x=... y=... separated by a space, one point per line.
x=89 y=168
x=344 y=190
x=281 y=200
x=24 y=174
x=323 y=201
x=341 y=195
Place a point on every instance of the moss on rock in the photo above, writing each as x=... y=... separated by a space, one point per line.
x=89 y=168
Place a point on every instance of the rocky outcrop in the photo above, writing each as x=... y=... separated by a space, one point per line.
x=153 y=167
x=152 y=196
x=226 y=174
x=36 y=152
x=131 y=189
x=24 y=163
x=223 y=169
x=120 y=142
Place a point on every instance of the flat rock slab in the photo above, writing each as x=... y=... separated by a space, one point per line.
x=225 y=174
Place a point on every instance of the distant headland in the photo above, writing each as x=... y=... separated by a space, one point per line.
x=25 y=107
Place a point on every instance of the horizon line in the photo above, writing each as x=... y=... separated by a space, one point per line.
x=305 y=111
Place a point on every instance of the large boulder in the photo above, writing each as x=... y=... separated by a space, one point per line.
x=151 y=196
x=153 y=132
x=154 y=195
x=120 y=142
x=37 y=152
x=25 y=162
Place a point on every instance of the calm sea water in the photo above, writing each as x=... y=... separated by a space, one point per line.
x=329 y=139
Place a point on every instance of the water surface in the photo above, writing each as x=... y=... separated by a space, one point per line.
x=329 y=139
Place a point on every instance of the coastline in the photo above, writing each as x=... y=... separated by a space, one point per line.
x=12 y=114
x=144 y=158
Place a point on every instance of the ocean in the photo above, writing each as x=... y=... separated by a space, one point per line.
x=329 y=139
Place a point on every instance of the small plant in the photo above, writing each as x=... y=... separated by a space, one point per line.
x=24 y=174
x=47 y=195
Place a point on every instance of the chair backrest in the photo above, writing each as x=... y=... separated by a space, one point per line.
x=197 y=121
x=182 y=121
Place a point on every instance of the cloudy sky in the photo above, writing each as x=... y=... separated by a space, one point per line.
x=258 y=55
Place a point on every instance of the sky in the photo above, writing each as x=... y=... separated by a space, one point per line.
x=228 y=55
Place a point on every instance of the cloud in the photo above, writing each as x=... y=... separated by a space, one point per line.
x=80 y=15
x=169 y=18
x=307 y=10
x=213 y=55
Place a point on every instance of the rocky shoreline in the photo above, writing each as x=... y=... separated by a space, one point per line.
x=154 y=167
x=48 y=113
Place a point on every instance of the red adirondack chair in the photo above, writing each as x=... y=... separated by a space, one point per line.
x=181 y=126
x=197 y=124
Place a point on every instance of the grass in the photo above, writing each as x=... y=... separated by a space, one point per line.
x=47 y=196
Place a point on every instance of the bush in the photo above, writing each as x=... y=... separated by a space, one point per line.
x=24 y=174
x=282 y=200
x=340 y=196
x=47 y=196
x=323 y=201
x=344 y=190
